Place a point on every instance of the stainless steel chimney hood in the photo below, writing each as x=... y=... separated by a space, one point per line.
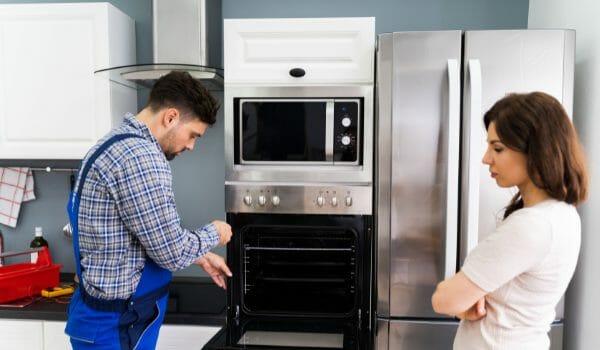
x=188 y=36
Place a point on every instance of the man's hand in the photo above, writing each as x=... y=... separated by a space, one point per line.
x=216 y=268
x=476 y=312
x=224 y=231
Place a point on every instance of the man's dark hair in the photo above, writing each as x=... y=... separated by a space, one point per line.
x=179 y=90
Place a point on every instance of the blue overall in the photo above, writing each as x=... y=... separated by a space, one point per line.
x=132 y=323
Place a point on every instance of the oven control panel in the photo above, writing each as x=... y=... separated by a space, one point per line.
x=298 y=199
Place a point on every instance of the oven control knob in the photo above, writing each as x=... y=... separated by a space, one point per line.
x=262 y=200
x=348 y=201
x=334 y=201
x=275 y=200
x=320 y=201
x=346 y=140
x=346 y=122
x=248 y=200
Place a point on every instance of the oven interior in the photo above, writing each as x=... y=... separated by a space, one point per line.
x=299 y=281
x=309 y=270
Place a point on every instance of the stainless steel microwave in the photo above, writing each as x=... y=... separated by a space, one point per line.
x=311 y=131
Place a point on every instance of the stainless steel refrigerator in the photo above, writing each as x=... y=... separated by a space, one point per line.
x=434 y=197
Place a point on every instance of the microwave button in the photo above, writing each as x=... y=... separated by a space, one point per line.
x=348 y=201
x=320 y=201
x=334 y=201
x=346 y=122
x=275 y=200
x=346 y=140
x=262 y=200
x=248 y=200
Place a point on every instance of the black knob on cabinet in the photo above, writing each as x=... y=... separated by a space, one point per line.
x=297 y=72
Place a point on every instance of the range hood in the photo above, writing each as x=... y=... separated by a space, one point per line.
x=188 y=36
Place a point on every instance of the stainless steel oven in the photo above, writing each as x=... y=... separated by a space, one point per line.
x=300 y=281
x=299 y=197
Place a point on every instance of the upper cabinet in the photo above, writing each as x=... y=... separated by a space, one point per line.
x=299 y=51
x=52 y=105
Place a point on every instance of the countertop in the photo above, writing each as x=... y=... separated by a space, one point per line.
x=192 y=301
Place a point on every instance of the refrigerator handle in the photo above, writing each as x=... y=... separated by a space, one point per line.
x=472 y=231
x=453 y=148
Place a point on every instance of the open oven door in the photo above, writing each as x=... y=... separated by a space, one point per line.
x=300 y=282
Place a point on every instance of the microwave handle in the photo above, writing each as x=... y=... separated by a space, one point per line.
x=329 y=121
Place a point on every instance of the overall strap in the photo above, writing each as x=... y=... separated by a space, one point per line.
x=96 y=154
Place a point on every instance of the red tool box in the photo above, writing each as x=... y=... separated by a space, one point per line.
x=25 y=279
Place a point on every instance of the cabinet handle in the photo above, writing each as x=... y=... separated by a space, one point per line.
x=297 y=72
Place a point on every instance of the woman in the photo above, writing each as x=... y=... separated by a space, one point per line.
x=510 y=283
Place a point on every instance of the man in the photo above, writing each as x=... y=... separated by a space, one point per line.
x=126 y=231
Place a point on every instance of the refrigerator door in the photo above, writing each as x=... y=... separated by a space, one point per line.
x=418 y=108
x=495 y=63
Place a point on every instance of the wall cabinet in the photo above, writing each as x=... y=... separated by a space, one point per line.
x=261 y=51
x=52 y=105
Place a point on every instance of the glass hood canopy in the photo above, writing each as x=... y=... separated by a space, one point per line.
x=146 y=74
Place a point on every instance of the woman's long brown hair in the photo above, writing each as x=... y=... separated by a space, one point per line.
x=537 y=125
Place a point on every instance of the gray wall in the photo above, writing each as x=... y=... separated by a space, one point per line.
x=198 y=176
x=582 y=303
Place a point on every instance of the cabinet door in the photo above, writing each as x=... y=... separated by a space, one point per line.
x=328 y=50
x=176 y=337
x=21 y=334
x=54 y=336
x=52 y=106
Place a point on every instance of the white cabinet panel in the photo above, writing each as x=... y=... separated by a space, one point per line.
x=54 y=336
x=329 y=50
x=52 y=106
x=176 y=337
x=21 y=334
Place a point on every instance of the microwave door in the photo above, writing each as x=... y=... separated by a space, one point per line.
x=280 y=131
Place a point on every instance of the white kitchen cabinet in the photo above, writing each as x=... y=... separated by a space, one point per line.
x=21 y=334
x=264 y=51
x=54 y=336
x=176 y=337
x=52 y=105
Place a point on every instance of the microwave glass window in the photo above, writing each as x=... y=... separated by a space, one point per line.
x=283 y=131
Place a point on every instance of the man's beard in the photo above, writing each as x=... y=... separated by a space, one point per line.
x=170 y=155
x=167 y=141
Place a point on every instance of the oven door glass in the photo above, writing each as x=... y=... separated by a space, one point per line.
x=299 y=270
x=283 y=131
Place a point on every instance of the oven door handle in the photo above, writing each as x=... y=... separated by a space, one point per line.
x=329 y=121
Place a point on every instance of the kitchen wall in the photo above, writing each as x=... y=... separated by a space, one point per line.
x=583 y=305
x=198 y=176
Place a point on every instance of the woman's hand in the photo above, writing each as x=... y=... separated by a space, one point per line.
x=216 y=268
x=456 y=294
x=476 y=312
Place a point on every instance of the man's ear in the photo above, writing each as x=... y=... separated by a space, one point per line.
x=170 y=117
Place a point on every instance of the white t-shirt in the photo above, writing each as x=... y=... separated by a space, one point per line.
x=525 y=266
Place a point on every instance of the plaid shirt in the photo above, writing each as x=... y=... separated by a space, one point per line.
x=127 y=213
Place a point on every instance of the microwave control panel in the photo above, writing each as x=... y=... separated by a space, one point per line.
x=346 y=131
